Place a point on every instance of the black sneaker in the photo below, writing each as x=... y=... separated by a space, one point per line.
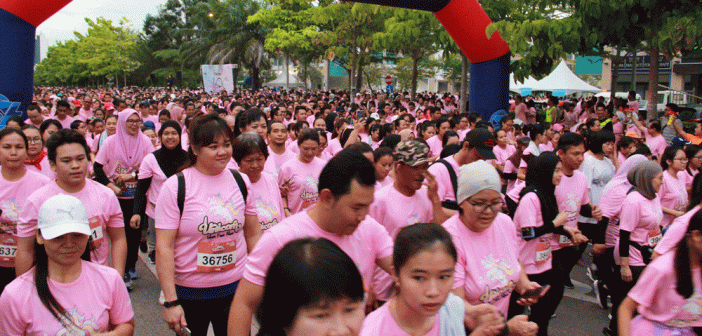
x=152 y=257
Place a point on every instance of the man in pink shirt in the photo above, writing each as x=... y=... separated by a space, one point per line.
x=63 y=109
x=520 y=109
x=34 y=116
x=346 y=187
x=69 y=157
x=86 y=110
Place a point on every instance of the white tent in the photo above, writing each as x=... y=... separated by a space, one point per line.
x=560 y=79
x=280 y=82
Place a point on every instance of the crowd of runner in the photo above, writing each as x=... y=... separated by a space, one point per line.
x=328 y=213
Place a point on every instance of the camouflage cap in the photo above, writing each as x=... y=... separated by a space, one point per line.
x=411 y=152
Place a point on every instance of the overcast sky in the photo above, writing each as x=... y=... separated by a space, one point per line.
x=60 y=26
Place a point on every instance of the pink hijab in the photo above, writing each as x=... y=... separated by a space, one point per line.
x=131 y=149
x=177 y=114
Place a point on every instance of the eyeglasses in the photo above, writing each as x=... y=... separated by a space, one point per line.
x=34 y=140
x=133 y=121
x=481 y=207
x=699 y=157
x=681 y=159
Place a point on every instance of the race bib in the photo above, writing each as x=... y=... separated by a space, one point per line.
x=543 y=251
x=96 y=232
x=130 y=190
x=215 y=256
x=564 y=241
x=654 y=237
x=8 y=247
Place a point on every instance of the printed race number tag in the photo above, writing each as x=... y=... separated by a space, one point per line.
x=654 y=237
x=543 y=250
x=96 y=231
x=216 y=256
x=8 y=248
x=564 y=241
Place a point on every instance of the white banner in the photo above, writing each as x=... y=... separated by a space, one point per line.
x=218 y=77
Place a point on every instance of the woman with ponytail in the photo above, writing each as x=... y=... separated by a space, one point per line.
x=62 y=294
x=667 y=296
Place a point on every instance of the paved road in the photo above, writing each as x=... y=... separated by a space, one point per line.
x=578 y=314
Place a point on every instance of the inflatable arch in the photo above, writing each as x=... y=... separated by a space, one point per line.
x=465 y=21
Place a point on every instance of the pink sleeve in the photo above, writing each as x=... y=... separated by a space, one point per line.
x=146 y=169
x=644 y=292
x=102 y=155
x=121 y=310
x=377 y=211
x=528 y=211
x=27 y=222
x=459 y=275
x=250 y=209
x=382 y=242
x=673 y=235
x=166 y=211
x=260 y=258
x=114 y=212
x=283 y=175
x=629 y=216
x=11 y=319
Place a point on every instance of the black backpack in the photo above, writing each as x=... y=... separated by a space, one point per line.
x=181 y=188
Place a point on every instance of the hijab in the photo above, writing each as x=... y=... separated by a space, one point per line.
x=170 y=159
x=641 y=178
x=131 y=149
x=621 y=176
x=539 y=180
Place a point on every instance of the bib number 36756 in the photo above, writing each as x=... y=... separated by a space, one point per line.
x=216 y=256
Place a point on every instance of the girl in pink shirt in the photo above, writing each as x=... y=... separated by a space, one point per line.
x=639 y=229
x=250 y=153
x=312 y=288
x=301 y=175
x=673 y=191
x=154 y=170
x=202 y=246
x=694 y=163
x=667 y=296
x=62 y=294
x=536 y=219
x=384 y=161
x=36 y=159
x=15 y=182
x=424 y=260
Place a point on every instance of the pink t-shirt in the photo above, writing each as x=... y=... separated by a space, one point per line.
x=673 y=195
x=611 y=207
x=100 y=202
x=394 y=210
x=13 y=199
x=676 y=231
x=303 y=178
x=657 y=144
x=689 y=178
x=210 y=248
x=45 y=168
x=386 y=182
x=521 y=112
x=65 y=123
x=501 y=155
x=518 y=184
x=642 y=217
x=658 y=299
x=334 y=146
x=443 y=179
x=94 y=301
x=546 y=147
x=510 y=168
x=269 y=204
x=274 y=161
x=435 y=145
x=150 y=168
x=571 y=194
x=293 y=147
x=535 y=254
x=381 y=323
x=368 y=243
x=487 y=266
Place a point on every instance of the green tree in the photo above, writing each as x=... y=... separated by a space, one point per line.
x=415 y=34
x=407 y=71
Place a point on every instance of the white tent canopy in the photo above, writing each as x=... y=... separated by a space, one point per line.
x=280 y=81
x=560 y=79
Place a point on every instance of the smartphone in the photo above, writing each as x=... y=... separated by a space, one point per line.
x=360 y=115
x=528 y=233
x=535 y=293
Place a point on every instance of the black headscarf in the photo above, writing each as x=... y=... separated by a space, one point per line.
x=539 y=180
x=170 y=159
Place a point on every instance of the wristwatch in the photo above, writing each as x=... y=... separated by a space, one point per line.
x=169 y=304
x=134 y=174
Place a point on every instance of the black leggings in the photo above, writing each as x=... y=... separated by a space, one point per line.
x=199 y=314
x=133 y=235
x=620 y=291
x=542 y=311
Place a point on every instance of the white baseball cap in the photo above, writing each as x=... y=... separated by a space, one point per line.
x=62 y=214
